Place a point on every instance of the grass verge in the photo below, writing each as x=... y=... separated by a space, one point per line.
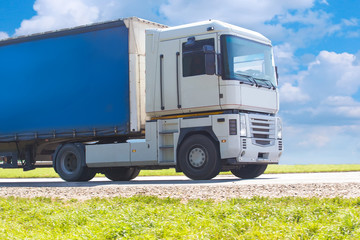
x=49 y=172
x=143 y=217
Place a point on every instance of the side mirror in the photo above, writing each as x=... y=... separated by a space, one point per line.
x=277 y=75
x=209 y=52
x=190 y=42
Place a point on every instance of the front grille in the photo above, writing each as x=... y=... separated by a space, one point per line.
x=262 y=129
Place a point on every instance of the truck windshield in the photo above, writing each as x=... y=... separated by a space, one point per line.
x=247 y=61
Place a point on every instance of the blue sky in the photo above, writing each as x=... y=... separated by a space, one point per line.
x=317 y=48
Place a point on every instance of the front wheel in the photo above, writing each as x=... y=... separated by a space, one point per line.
x=249 y=171
x=199 y=158
x=122 y=173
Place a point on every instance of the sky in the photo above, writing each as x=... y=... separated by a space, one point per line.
x=316 y=45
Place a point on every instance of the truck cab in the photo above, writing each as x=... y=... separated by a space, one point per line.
x=217 y=80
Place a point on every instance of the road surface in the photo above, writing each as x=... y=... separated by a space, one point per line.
x=265 y=179
x=344 y=184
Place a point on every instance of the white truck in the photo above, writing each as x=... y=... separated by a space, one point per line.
x=201 y=98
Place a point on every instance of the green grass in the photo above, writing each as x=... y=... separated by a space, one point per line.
x=142 y=217
x=49 y=172
x=312 y=168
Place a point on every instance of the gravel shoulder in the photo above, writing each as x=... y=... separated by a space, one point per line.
x=187 y=192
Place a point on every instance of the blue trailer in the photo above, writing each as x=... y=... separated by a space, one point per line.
x=63 y=83
x=71 y=85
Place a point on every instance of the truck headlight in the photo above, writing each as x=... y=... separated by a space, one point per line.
x=279 y=128
x=242 y=125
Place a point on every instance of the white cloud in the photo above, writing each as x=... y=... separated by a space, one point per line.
x=333 y=73
x=341 y=101
x=3 y=35
x=58 y=14
x=353 y=34
x=330 y=74
x=316 y=139
x=321 y=136
x=351 y=22
x=344 y=106
x=292 y=94
x=323 y=90
x=284 y=56
x=324 y=2
x=311 y=27
x=314 y=25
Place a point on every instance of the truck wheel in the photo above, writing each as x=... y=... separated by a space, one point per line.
x=199 y=158
x=70 y=164
x=250 y=171
x=87 y=175
x=122 y=173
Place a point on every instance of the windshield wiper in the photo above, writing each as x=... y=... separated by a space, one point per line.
x=266 y=82
x=250 y=80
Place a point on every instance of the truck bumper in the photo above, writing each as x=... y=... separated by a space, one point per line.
x=252 y=153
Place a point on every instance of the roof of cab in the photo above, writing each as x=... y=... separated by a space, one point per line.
x=210 y=26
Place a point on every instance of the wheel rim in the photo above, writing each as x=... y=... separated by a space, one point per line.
x=69 y=163
x=197 y=157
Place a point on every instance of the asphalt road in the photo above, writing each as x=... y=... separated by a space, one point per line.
x=265 y=179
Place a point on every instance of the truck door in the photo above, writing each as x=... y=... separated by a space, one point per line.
x=197 y=90
x=169 y=54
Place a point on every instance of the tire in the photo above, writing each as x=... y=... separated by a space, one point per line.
x=135 y=173
x=122 y=173
x=70 y=164
x=249 y=171
x=198 y=158
x=87 y=175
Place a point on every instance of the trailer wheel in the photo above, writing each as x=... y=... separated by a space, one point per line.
x=199 y=158
x=70 y=164
x=249 y=171
x=122 y=173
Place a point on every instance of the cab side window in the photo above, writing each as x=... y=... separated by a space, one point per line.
x=193 y=60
